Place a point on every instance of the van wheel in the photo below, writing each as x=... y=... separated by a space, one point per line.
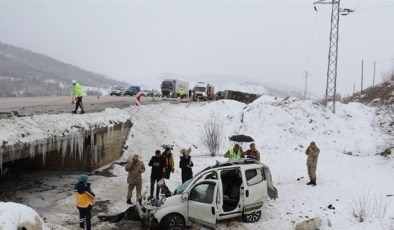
x=251 y=217
x=173 y=222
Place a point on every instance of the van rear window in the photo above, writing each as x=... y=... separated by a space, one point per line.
x=254 y=176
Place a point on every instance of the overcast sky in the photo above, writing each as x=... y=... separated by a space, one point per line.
x=271 y=41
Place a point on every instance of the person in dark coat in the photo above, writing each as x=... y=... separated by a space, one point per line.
x=84 y=200
x=157 y=162
x=186 y=165
x=169 y=162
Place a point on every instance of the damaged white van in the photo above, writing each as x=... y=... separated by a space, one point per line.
x=224 y=191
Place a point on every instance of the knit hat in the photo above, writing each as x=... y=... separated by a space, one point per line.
x=84 y=179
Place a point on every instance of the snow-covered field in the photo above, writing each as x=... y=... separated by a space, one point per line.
x=349 y=174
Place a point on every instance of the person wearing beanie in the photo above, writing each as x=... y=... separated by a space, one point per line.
x=84 y=200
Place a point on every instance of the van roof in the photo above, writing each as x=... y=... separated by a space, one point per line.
x=247 y=163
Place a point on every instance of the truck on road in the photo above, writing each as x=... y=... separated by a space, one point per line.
x=204 y=91
x=170 y=87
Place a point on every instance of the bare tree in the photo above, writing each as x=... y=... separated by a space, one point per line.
x=212 y=135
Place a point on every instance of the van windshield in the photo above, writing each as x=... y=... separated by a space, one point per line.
x=166 y=85
x=199 y=89
x=181 y=188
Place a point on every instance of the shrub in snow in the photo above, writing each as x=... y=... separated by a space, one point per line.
x=18 y=216
x=367 y=208
x=212 y=135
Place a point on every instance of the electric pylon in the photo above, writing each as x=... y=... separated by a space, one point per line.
x=331 y=86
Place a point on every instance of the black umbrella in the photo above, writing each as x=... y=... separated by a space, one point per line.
x=241 y=138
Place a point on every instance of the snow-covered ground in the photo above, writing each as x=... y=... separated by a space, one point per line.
x=349 y=173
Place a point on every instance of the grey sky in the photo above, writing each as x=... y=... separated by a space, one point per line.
x=261 y=41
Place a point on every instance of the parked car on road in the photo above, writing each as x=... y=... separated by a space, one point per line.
x=117 y=91
x=226 y=190
x=145 y=92
x=220 y=95
x=132 y=90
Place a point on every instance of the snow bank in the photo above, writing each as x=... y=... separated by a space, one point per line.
x=275 y=124
x=13 y=215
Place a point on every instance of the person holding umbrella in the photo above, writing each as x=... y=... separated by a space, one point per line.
x=236 y=153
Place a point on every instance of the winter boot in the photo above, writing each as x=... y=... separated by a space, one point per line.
x=82 y=112
x=309 y=183
x=314 y=183
x=74 y=111
x=128 y=201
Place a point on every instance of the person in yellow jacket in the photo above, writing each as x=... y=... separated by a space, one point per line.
x=234 y=153
x=78 y=93
x=169 y=162
x=181 y=93
x=84 y=199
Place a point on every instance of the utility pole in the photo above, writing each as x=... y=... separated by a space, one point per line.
x=354 y=88
x=374 y=72
x=362 y=74
x=307 y=75
x=331 y=85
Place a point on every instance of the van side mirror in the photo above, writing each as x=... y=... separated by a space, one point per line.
x=185 y=196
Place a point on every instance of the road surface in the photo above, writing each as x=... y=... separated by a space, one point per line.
x=62 y=104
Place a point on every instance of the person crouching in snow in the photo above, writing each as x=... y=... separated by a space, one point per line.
x=135 y=167
x=313 y=153
x=186 y=165
x=84 y=198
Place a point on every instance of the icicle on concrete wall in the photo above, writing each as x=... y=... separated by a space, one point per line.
x=64 y=148
x=1 y=160
x=93 y=146
x=58 y=144
x=12 y=150
x=32 y=150
x=80 y=139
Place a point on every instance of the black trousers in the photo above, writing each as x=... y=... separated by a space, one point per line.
x=84 y=217
x=79 y=104
x=154 y=181
x=167 y=173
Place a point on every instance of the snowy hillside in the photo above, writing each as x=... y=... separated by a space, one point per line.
x=26 y=73
x=349 y=174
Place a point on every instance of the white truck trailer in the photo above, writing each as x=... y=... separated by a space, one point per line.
x=170 y=87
